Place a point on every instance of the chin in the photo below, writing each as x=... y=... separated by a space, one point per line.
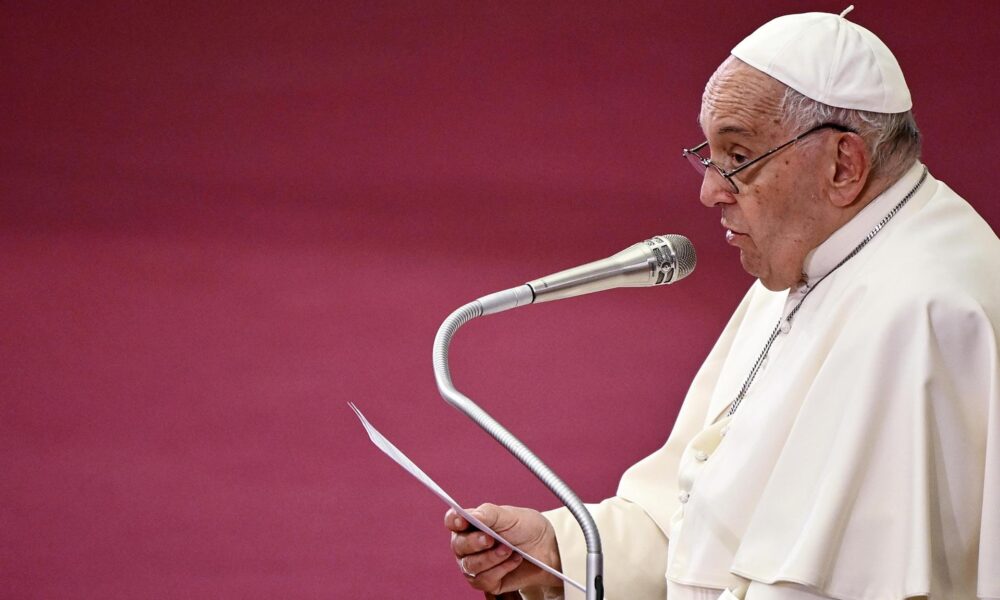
x=776 y=282
x=768 y=278
x=750 y=265
x=775 y=286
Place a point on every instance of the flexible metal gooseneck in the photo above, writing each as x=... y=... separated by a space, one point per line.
x=595 y=562
x=662 y=259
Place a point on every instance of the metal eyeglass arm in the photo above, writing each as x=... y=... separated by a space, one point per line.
x=488 y=305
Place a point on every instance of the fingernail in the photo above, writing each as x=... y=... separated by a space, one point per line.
x=458 y=522
x=484 y=540
x=502 y=551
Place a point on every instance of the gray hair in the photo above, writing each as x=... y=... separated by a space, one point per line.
x=893 y=140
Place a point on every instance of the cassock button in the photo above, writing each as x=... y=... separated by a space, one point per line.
x=684 y=496
x=785 y=327
x=701 y=456
x=724 y=431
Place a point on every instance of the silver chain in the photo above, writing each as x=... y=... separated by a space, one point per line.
x=777 y=327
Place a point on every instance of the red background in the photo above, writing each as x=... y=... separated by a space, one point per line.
x=221 y=223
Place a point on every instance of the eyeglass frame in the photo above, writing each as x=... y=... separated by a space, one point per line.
x=728 y=175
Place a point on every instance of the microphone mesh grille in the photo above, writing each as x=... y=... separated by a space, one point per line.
x=686 y=257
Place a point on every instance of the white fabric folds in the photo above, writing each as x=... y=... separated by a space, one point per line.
x=865 y=462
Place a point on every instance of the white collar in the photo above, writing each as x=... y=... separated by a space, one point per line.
x=823 y=258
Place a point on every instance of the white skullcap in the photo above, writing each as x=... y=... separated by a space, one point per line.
x=829 y=59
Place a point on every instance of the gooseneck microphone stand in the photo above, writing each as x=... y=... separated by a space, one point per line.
x=488 y=305
x=662 y=259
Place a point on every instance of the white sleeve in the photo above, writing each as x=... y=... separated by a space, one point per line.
x=781 y=590
x=634 y=549
x=784 y=590
x=793 y=591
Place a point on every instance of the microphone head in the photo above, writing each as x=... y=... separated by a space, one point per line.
x=675 y=257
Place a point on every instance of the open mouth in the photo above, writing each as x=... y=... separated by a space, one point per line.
x=731 y=234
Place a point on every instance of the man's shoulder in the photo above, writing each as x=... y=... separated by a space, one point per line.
x=942 y=252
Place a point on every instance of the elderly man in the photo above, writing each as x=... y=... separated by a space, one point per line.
x=842 y=439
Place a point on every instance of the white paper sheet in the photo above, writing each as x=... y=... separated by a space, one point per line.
x=393 y=452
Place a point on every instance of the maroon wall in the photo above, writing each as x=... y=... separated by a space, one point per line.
x=221 y=223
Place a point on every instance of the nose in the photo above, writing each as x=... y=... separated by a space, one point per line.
x=715 y=190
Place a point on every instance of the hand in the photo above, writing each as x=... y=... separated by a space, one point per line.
x=494 y=568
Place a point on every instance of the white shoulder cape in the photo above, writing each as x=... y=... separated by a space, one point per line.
x=865 y=463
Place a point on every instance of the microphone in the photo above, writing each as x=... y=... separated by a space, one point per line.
x=658 y=260
x=661 y=259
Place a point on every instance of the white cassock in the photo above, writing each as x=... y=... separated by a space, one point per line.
x=864 y=463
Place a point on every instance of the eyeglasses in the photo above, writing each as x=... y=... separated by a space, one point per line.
x=701 y=163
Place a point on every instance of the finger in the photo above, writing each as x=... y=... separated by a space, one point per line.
x=486 y=560
x=464 y=544
x=454 y=522
x=492 y=580
x=491 y=515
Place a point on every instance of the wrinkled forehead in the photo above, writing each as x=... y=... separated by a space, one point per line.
x=739 y=96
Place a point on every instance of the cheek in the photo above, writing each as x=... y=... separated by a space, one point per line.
x=772 y=210
x=756 y=205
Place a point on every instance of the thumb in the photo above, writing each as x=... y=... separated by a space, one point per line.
x=497 y=518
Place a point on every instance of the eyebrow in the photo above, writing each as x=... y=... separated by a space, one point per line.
x=734 y=129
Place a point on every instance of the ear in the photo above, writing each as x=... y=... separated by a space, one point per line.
x=851 y=170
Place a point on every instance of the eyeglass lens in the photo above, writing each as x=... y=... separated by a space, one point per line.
x=701 y=164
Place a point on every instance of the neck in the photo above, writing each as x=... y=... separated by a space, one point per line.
x=837 y=217
x=873 y=188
